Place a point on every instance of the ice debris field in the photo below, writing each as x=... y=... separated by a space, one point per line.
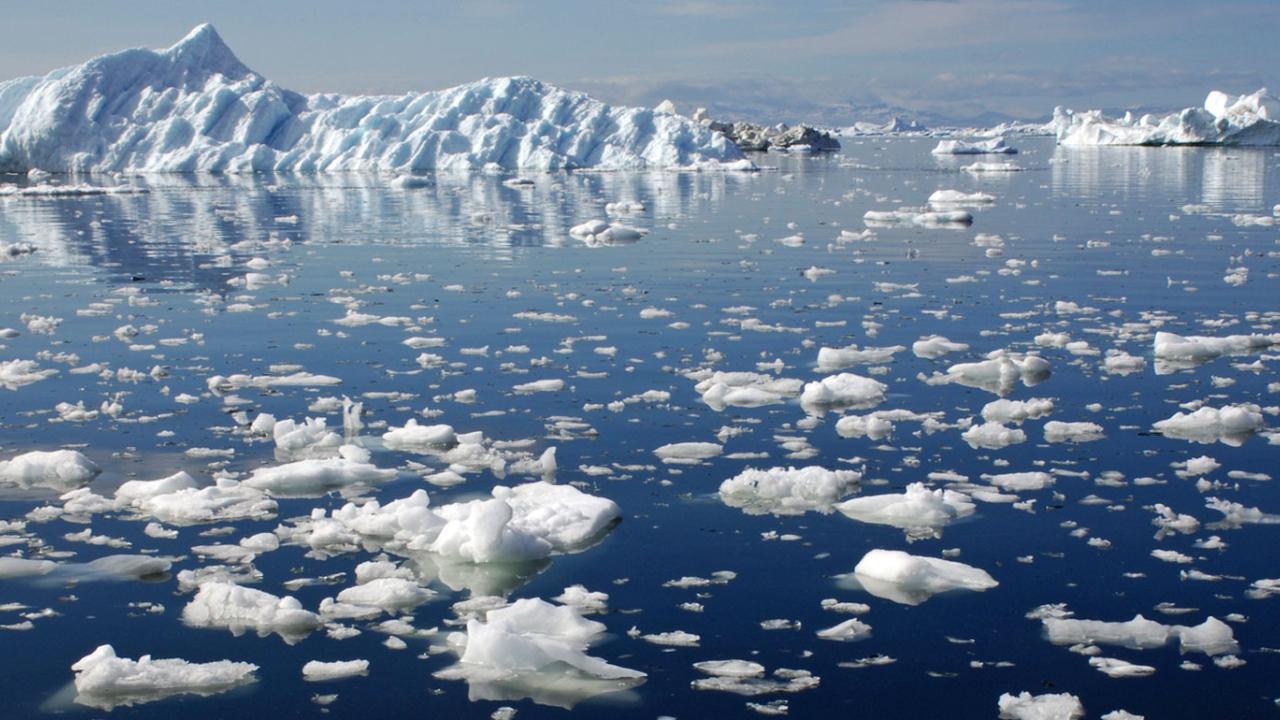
x=870 y=433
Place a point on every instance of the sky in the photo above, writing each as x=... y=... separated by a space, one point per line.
x=808 y=59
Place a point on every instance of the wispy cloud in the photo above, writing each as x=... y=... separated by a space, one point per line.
x=706 y=8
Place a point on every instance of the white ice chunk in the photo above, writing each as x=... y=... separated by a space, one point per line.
x=912 y=579
x=105 y=681
x=787 y=491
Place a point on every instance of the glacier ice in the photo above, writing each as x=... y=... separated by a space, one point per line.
x=1252 y=119
x=194 y=107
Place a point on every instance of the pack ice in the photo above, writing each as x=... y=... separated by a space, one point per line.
x=195 y=107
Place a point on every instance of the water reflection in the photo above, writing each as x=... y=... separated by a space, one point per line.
x=199 y=230
x=1226 y=179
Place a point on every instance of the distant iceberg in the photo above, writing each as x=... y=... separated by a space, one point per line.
x=196 y=108
x=1224 y=120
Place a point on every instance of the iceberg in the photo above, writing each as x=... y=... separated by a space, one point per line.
x=194 y=107
x=1252 y=120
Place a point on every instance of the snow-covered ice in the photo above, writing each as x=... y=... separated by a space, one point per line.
x=194 y=107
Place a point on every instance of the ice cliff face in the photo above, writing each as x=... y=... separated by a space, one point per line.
x=1224 y=120
x=196 y=108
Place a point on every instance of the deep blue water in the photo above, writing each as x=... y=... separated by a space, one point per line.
x=696 y=260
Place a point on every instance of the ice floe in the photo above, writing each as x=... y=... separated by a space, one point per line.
x=912 y=579
x=918 y=510
x=105 y=681
x=536 y=650
x=788 y=491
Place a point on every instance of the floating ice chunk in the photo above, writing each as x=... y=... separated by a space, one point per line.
x=238 y=608
x=688 y=453
x=598 y=233
x=414 y=436
x=998 y=374
x=730 y=668
x=17 y=373
x=935 y=346
x=844 y=390
x=742 y=677
x=1116 y=668
x=1222 y=120
x=1230 y=425
x=118 y=567
x=583 y=599
x=14 y=567
x=524 y=523
x=1170 y=521
x=1016 y=411
x=319 y=475
x=1020 y=481
x=1234 y=514
x=1202 y=465
x=911 y=216
x=1075 y=432
x=992 y=146
x=991 y=167
x=319 y=671
x=912 y=579
x=1025 y=706
x=309 y=436
x=916 y=508
x=562 y=515
x=56 y=469
x=390 y=594
x=105 y=681
x=1212 y=637
x=871 y=425
x=1122 y=363
x=744 y=389
x=673 y=638
x=1177 y=352
x=830 y=359
x=849 y=630
x=944 y=198
x=534 y=649
x=227 y=500
x=993 y=436
x=548 y=385
x=787 y=491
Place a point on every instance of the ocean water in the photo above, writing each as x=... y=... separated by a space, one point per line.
x=1140 y=239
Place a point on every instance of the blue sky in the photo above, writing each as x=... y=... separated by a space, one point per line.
x=957 y=57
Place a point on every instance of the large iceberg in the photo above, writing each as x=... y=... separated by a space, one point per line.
x=196 y=108
x=1223 y=120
